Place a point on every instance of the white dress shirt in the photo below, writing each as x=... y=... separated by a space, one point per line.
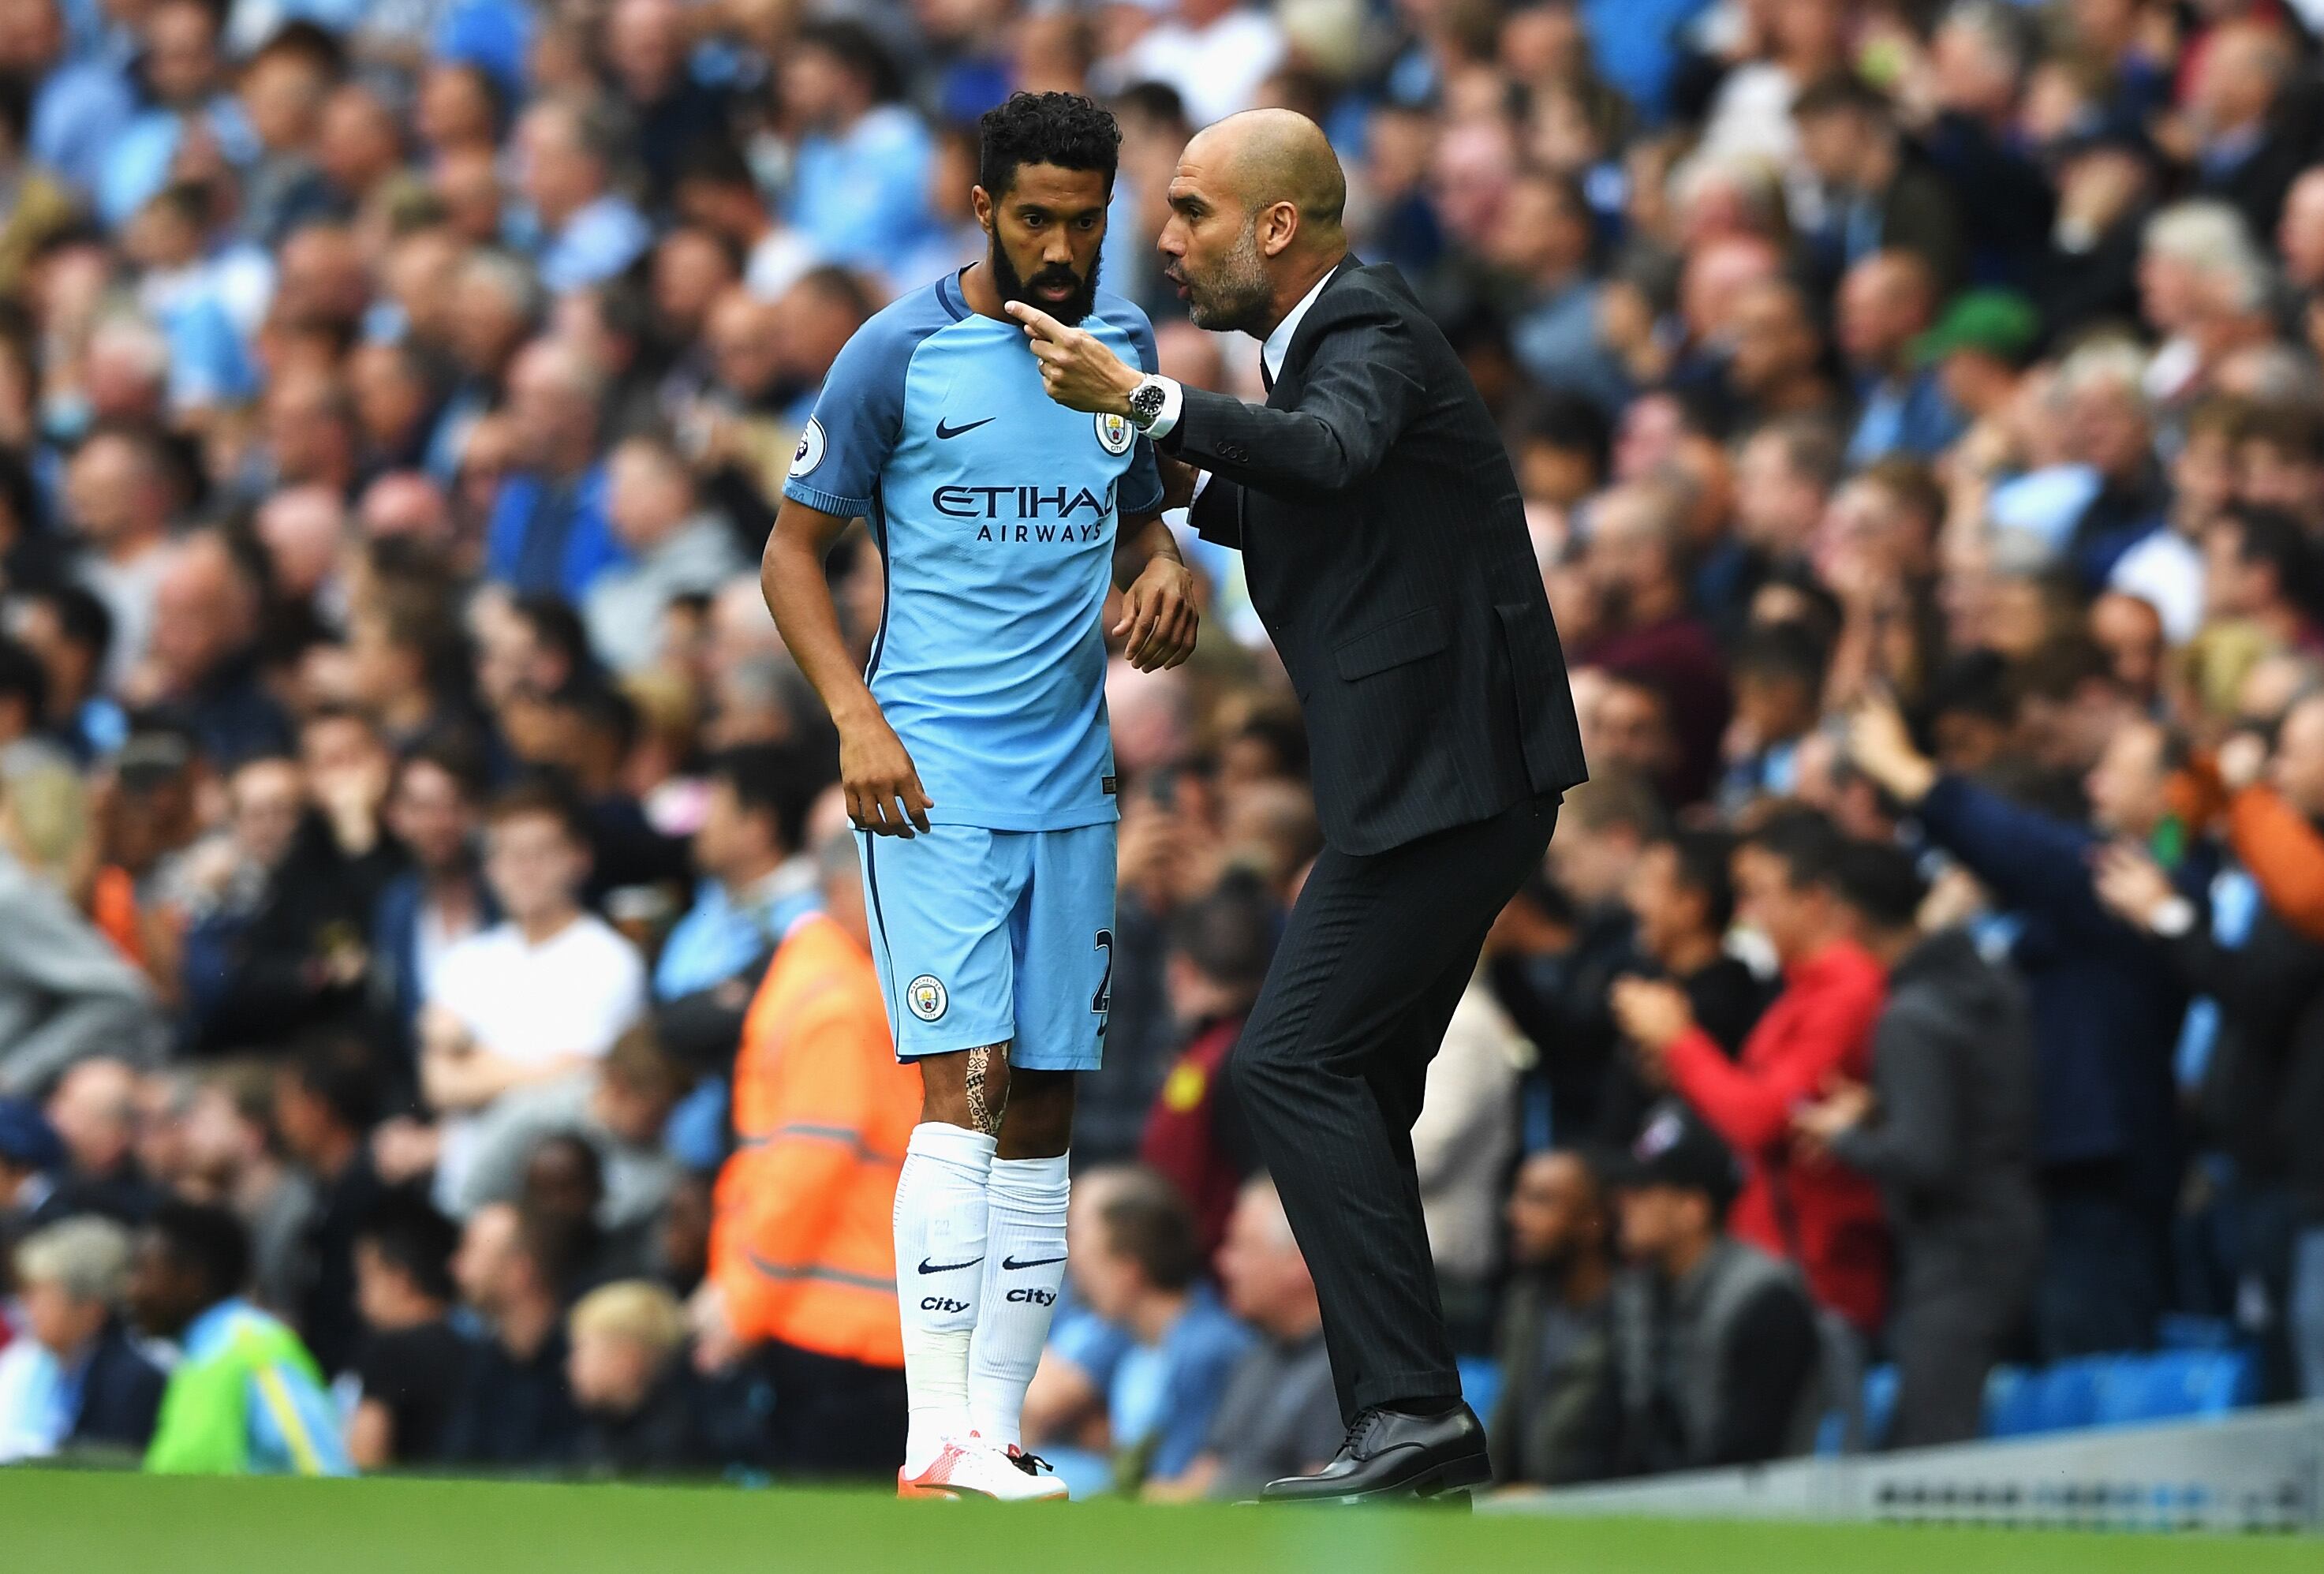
x=1271 y=352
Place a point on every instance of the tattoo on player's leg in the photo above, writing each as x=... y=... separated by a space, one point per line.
x=985 y=1117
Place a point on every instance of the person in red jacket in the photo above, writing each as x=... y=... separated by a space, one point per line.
x=1220 y=946
x=1818 y=1213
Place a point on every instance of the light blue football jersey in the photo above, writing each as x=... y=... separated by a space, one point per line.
x=994 y=509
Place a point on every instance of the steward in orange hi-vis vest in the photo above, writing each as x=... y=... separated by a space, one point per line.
x=802 y=1246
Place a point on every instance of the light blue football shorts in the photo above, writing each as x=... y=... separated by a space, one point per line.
x=990 y=937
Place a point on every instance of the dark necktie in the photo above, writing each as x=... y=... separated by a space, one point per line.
x=1266 y=377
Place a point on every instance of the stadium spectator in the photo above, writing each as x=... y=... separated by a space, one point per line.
x=327 y=1100
x=29 y=1158
x=802 y=1253
x=1280 y=1415
x=2107 y=1013
x=639 y=1414
x=568 y=152
x=1552 y=1345
x=65 y=994
x=1880 y=195
x=620 y=1108
x=2254 y=1046
x=412 y=1359
x=441 y=899
x=1887 y=302
x=674 y=548
x=1822 y=1216
x=1218 y=951
x=1563 y=940
x=1145 y=1363
x=1636 y=565
x=1462 y=1145
x=758 y=879
x=1946 y=1127
x=863 y=161
x=94 y=1112
x=512 y=1408
x=244 y=1397
x=550 y=530
x=75 y=1383
x=561 y=1194
x=538 y=996
x=1713 y=1348
x=297 y=961
x=1681 y=893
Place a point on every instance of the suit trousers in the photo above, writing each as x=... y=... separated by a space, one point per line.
x=1331 y=1066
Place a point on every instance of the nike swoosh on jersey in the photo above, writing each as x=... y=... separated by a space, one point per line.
x=928 y=1267
x=944 y=431
x=1010 y=1264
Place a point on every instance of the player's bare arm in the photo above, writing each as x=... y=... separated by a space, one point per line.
x=1159 y=615
x=883 y=789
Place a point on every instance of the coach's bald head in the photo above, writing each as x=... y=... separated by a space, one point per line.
x=1256 y=211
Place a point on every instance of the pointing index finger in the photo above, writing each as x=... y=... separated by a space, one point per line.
x=1037 y=321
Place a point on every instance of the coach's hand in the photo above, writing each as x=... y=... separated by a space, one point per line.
x=1080 y=373
x=884 y=795
x=1159 y=619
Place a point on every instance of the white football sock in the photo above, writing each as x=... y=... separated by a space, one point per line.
x=940 y=1212
x=1024 y=1264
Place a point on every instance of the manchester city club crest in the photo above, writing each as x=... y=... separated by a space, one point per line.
x=1114 y=433
x=926 y=996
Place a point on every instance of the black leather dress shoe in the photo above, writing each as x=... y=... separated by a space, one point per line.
x=1392 y=1453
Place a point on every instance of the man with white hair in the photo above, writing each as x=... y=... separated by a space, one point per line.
x=75 y=1381
x=2204 y=282
x=2110 y=429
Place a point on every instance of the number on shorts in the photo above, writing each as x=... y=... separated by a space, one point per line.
x=1103 y=1001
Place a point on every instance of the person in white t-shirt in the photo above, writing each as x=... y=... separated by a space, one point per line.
x=538 y=996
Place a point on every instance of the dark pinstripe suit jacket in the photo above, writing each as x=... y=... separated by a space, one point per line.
x=1386 y=548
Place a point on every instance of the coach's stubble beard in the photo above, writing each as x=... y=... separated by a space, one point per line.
x=1235 y=297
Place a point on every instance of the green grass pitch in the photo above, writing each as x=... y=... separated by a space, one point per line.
x=67 y=1523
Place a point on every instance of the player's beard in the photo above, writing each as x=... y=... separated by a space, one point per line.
x=1236 y=296
x=1070 y=310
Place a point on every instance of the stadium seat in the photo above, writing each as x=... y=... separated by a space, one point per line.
x=2020 y=1402
x=2175 y=1385
x=2180 y=1331
x=1879 y=1405
x=1480 y=1385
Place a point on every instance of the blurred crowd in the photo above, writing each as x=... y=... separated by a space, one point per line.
x=436 y=1023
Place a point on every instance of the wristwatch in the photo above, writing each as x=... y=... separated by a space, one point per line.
x=1146 y=401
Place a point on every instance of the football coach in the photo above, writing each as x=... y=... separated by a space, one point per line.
x=1385 y=546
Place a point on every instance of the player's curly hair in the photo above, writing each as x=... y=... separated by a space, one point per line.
x=1063 y=129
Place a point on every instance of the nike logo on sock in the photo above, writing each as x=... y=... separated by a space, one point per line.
x=952 y=431
x=928 y=1267
x=1010 y=1264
